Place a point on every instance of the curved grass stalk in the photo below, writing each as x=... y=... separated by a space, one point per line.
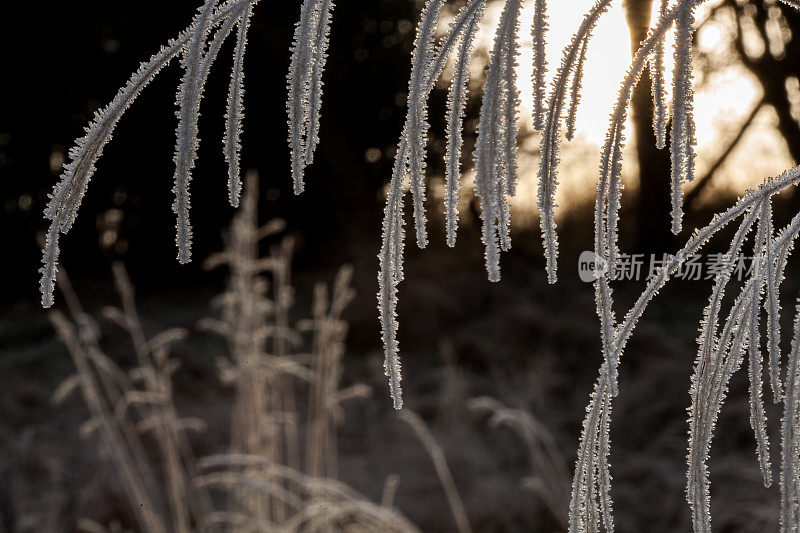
x=575 y=92
x=199 y=78
x=68 y=193
x=391 y=255
x=761 y=267
x=538 y=34
x=322 y=41
x=456 y=105
x=780 y=249
x=190 y=92
x=304 y=81
x=496 y=149
x=790 y=437
x=548 y=177
x=235 y=111
x=605 y=386
x=682 y=135
x=390 y=274
x=660 y=109
x=709 y=363
x=422 y=62
x=584 y=495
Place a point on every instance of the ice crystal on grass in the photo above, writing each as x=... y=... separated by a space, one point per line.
x=538 y=35
x=660 y=110
x=549 y=146
x=235 y=111
x=190 y=93
x=197 y=50
x=727 y=337
x=303 y=105
x=426 y=66
x=456 y=105
x=496 y=146
x=682 y=134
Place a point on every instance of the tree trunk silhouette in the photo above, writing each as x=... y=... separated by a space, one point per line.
x=652 y=212
x=772 y=72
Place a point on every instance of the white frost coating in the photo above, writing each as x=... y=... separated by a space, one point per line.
x=304 y=82
x=682 y=138
x=509 y=131
x=660 y=110
x=780 y=248
x=587 y=500
x=609 y=184
x=391 y=273
x=758 y=417
x=495 y=148
x=190 y=93
x=614 y=199
x=422 y=61
x=508 y=168
x=391 y=255
x=575 y=92
x=538 y=35
x=587 y=491
x=423 y=76
x=790 y=437
x=62 y=208
x=322 y=40
x=234 y=115
x=708 y=385
x=297 y=99
x=548 y=166
x=191 y=45
x=456 y=105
